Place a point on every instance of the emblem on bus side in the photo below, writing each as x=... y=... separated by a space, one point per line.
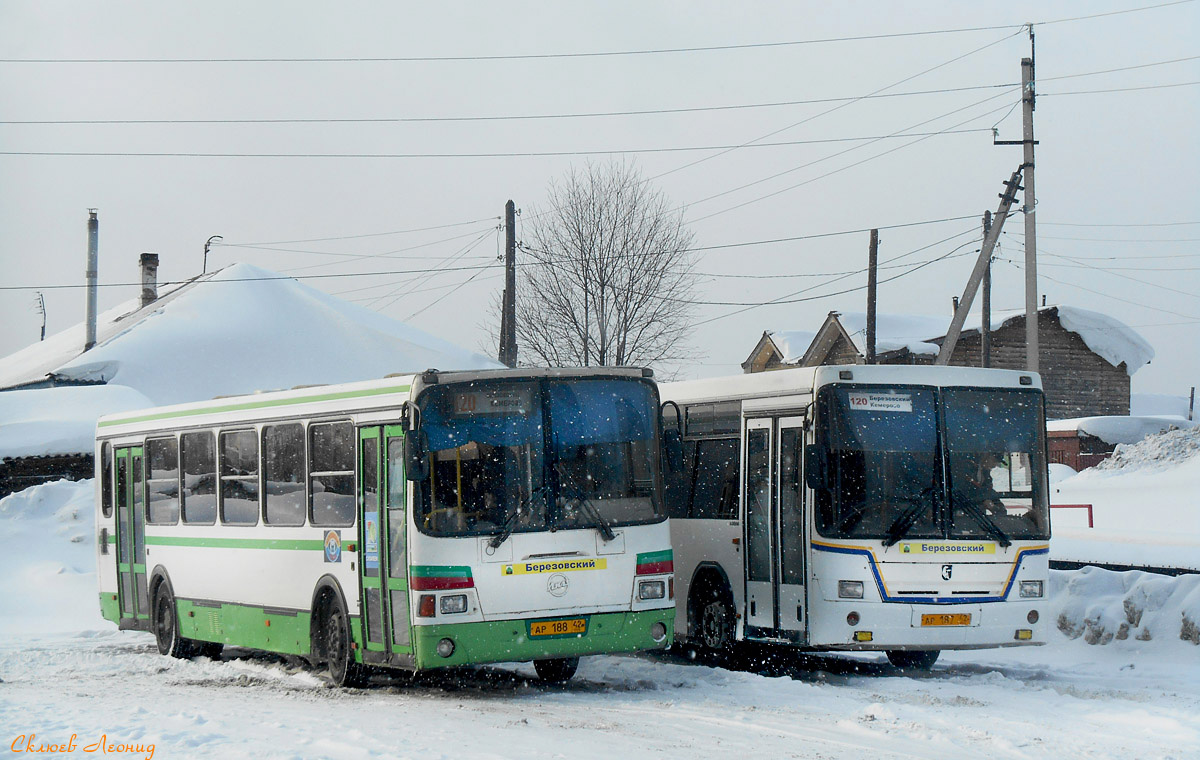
x=557 y=584
x=333 y=546
x=947 y=570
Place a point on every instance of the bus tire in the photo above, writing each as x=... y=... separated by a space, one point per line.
x=714 y=620
x=556 y=670
x=913 y=660
x=335 y=641
x=166 y=625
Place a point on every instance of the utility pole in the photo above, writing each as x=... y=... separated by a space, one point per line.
x=508 y=317
x=985 y=327
x=872 y=281
x=91 y=273
x=1030 y=209
x=1007 y=198
x=1027 y=141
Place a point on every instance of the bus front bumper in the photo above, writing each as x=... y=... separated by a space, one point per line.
x=511 y=640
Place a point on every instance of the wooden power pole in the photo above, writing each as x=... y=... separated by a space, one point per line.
x=985 y=327
x=985 y=256
x=508 y=317
x=872 y=281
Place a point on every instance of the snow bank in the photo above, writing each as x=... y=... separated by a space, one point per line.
x=1120 y=429
x=792 y=344
x=49 y=562
x=1103 y=606
x=1173 y=448
x=59 y=420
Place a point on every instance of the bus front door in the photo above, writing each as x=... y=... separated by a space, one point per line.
x=131 y=534
x=775 y=571
x=382 y=499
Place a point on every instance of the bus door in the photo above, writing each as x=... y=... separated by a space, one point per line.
x=382 y=498
x=131 y=533
x=775 y=571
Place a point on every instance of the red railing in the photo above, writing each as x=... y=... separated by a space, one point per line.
x=1088 y=507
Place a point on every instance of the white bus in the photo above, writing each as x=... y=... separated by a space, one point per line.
x=901 y=509
x=414 y=522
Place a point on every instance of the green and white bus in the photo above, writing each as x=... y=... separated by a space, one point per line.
x=413 y=522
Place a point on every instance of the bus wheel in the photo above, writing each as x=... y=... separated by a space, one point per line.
x=335 y=635
x=715 y=622
x=914 y=660
x=166 y=626
x=558 y=670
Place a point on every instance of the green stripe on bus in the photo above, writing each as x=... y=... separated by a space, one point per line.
x=663 y=556
x=258 y=405
x=299 y=544
x=440 y=571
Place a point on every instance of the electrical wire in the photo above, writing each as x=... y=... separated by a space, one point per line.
x=603 y=53
x=356 y=237
x=1107 y=295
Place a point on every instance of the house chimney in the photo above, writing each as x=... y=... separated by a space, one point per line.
x=149 y=264
x=93 y=243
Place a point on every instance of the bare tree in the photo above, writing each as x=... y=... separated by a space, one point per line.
x=606 y=274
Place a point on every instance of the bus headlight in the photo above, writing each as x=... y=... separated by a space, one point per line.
x=652 y=590
x=850 y=589
x=1031 y=589
x=453 y=604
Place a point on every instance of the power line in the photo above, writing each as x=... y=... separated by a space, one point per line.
x=355 y=237
x=1122 y=68
x=1118 y=89
x=516 y=117
x=1107 y=295
x=1132 y=224
x=596 y=54
x=500 y=154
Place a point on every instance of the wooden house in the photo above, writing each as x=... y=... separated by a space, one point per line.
x=1085 y=358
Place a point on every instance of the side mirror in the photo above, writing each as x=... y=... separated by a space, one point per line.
x=416 y=459
x=815 y=467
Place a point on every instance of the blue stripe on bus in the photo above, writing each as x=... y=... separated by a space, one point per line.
x=883 y=594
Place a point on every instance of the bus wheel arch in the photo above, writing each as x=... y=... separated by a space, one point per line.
x=164 y=618
x=712 y=619
x=332 y=641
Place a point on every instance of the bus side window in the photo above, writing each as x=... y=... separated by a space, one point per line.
x=715 y=494
x=397 y=498
x=283 y=474
x=162 y=481
x=198 y=476
x=239 y=477
x=331 y=474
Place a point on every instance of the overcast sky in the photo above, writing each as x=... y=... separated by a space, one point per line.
x=1118 y=212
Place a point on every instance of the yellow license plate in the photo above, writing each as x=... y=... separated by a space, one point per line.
x=953 y=619
x=558 y=627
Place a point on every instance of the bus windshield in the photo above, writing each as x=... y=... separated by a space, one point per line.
x=532 y=455
x=895 y=471
x=995 y=465
x=882 y=461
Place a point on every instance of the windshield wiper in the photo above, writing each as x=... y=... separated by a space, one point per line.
x=985 y=522
x=908 y=517
x=507 y=526
x=600 y=524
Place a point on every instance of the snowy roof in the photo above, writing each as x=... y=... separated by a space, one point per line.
x=1107 y=337
x=791 y=344
x=236 y=331
x=1118 y=429
x=49 y=421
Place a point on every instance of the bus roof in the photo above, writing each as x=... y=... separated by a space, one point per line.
x=804 y=380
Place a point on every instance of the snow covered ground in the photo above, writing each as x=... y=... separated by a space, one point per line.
x=1145 y=504
x=1133 y=693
